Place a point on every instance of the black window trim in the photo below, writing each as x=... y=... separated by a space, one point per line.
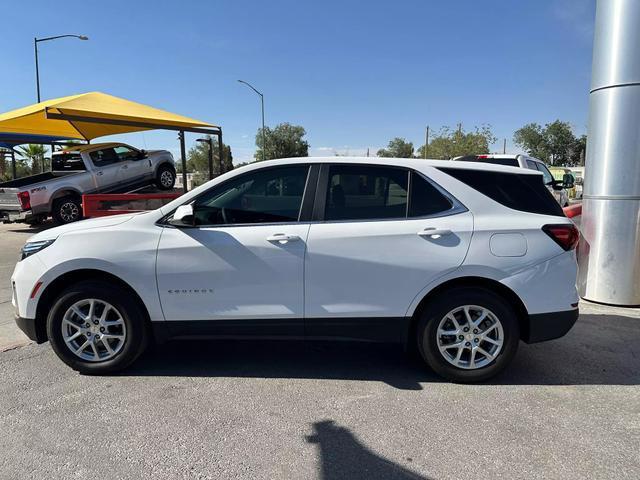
x=304 y=214
x=323 y=185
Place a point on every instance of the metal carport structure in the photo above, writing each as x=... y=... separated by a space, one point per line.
x=95 y=114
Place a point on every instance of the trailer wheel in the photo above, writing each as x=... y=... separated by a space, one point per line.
x=66 y=210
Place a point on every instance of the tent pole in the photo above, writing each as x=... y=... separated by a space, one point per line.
x=14 y=174
x=220 y=151
x=184 y=161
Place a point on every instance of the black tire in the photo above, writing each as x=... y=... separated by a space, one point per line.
x=67 y=210
x=436 y=310
x=165 y=177
x=135 y=341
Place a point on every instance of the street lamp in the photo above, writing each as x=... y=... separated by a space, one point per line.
x=210 y=142
x=35 y=47
x=264 y=143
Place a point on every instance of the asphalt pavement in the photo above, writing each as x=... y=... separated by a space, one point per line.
x=264 y=410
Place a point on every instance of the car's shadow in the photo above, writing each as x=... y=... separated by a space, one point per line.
x=599 y=350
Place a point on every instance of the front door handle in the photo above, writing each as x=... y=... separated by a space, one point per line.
x=282 y=238
x=434 y=232
x=100 y=173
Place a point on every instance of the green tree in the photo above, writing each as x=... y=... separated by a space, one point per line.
x=449 y=143
x=34 y=154
x=198 y=158
x=397 y=148
x=555 y=143
x=283 y=141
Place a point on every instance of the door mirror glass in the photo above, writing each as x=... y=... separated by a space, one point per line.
x=182 y=217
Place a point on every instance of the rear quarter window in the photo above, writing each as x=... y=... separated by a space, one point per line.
x=523 y=192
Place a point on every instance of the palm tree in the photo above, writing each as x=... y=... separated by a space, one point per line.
x=33 y=153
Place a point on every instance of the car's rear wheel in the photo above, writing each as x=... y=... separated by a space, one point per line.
x=96 y=327
x=165 y=177
x=468 y=334
x=66 y=210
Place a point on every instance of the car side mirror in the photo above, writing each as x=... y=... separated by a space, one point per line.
x=557 y=184
x=142 y=154
x=183 y=217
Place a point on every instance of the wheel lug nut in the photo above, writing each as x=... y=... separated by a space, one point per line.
x=95 y=322
x=466 y=329
x=102 y=329
x=87 y=325
x=475 y=330
x=461 y=337
x=88 y=334
x=476 y=340
x=468 y=344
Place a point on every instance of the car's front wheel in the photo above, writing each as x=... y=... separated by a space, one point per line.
x=468 y=334
x=96 y=327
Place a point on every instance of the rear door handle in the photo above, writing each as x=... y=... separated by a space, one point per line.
x=434 y=232
x=282 y=238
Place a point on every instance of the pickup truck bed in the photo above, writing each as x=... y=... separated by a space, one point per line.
x=33 y=179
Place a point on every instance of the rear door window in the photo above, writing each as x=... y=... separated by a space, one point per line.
x=104 y=157
x=364 y=192
x=425 y=199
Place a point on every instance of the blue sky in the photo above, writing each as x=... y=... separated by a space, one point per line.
x=353 y=73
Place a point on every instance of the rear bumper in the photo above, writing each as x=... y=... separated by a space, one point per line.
x=8 y=216
x=28 y=326
x=547 y=326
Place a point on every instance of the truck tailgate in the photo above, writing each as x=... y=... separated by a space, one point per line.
x=9 y=199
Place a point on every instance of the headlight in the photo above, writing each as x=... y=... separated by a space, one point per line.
x=34 y=247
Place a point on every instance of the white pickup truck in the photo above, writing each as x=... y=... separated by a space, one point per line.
x=96 y=168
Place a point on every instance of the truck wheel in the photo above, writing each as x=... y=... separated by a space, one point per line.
x=96 y=327
x=468 y=334
x=67 y=210
x=165 y=177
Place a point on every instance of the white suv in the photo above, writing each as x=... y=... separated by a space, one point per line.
x=458 y=260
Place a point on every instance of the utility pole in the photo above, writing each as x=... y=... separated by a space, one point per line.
x=264 y=138
x=504 y=146
x=426 y=142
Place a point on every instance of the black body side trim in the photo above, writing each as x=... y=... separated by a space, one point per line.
x=547 y=326
x=367 y=329
x=384 y=329
x=28 y=326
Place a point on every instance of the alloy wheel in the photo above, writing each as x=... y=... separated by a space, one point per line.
x=166 y=179
x=69 y=212
x=470 y=337
x=93 y=330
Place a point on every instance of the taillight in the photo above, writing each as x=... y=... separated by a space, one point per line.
x=25 y=200
x=565 y=235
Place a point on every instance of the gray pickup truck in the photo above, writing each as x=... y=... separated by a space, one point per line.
x=96 y=168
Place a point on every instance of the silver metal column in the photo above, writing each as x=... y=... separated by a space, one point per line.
x=609 y=258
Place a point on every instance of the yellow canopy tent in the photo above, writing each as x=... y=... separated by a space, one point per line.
x=90 y=115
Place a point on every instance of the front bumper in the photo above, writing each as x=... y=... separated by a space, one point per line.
x=30 y=329
x=541 y=327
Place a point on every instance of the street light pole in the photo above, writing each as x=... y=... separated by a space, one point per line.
x=35 y=48
x=264 y=142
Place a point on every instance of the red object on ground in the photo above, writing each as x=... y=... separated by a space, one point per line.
x=101 y=205
x=573 y=210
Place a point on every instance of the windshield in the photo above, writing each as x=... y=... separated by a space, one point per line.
x=67 y=161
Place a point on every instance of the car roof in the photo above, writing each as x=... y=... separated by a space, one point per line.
x=89 y=147
x=415 y=163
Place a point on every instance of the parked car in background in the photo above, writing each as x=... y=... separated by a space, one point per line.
x=457 y=260
x=95 y=168
x=557 y=188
